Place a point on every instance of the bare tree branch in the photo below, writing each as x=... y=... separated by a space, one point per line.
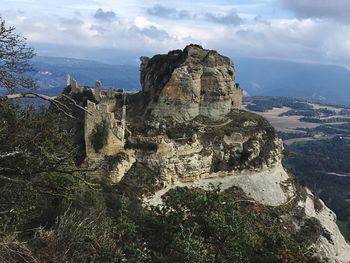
x=11 y=180
x=71 y=173
x=75 y=103
x=54 y=100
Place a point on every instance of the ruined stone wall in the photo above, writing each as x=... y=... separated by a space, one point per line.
x=97 y=114
x=100 y=106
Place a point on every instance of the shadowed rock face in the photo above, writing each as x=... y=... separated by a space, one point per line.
x=188 y=83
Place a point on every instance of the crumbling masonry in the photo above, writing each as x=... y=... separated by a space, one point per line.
x=103 y=111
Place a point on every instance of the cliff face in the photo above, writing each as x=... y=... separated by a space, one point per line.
x=188 y=83
x=185 y=128
x=203 y=148
x=240 y=151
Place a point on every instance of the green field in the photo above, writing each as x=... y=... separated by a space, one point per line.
x=318 y=156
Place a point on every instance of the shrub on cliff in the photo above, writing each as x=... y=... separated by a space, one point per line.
x=195 y=225
x=99 y=135
x=50 y=212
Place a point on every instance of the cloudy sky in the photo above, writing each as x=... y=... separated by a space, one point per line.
x=316 y=31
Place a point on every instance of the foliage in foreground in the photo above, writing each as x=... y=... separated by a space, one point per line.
x=38 y=175
x=50 y=212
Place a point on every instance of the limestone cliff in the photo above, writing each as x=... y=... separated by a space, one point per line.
x=185 y=128
x=188 y=83
x=242 y=150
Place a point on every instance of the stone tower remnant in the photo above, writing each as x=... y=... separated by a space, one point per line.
x=101 y=107
x=115 y=141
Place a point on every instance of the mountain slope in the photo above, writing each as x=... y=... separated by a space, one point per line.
x=176 y=144
x=278 y=78
x=52 y=72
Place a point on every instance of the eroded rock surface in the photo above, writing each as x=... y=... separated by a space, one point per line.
x=188 y=83
x=185 y=128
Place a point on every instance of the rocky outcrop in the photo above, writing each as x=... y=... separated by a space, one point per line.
x=188 y=83
x=185 y=128
x=201 y=148
x=295 y=205
x=241 y=151
x=332 y=244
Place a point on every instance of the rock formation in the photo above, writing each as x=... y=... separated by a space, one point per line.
x=185 y=128
x=188 y=83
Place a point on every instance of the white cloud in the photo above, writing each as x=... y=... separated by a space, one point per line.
x=128 y=25
x=300 y=40
x=337 y=10
x=142 y=23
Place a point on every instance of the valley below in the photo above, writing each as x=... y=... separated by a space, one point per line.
x=284 y=123
x=317 y=140
x=158 y=132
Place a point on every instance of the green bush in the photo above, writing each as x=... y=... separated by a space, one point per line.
x=39 y=178
x=99 y=135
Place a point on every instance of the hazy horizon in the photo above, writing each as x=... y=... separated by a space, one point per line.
x=132 y=58
x=306 y=31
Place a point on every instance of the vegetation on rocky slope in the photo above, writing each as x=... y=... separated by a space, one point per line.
x=99 y=136
x=51 y=212
x=318 y=156
x=324 y=167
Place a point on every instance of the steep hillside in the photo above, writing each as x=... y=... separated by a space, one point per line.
x=317 y=139
x=171 y=143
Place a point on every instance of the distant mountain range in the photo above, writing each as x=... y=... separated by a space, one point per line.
x=257 y=76
x=51 y=73
x=276 y=78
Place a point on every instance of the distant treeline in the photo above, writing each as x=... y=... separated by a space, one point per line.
x=262 y=104
x=328 y=120
x=313 y=161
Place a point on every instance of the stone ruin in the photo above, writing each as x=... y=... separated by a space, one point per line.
x=181 y=85
x=102 y=109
